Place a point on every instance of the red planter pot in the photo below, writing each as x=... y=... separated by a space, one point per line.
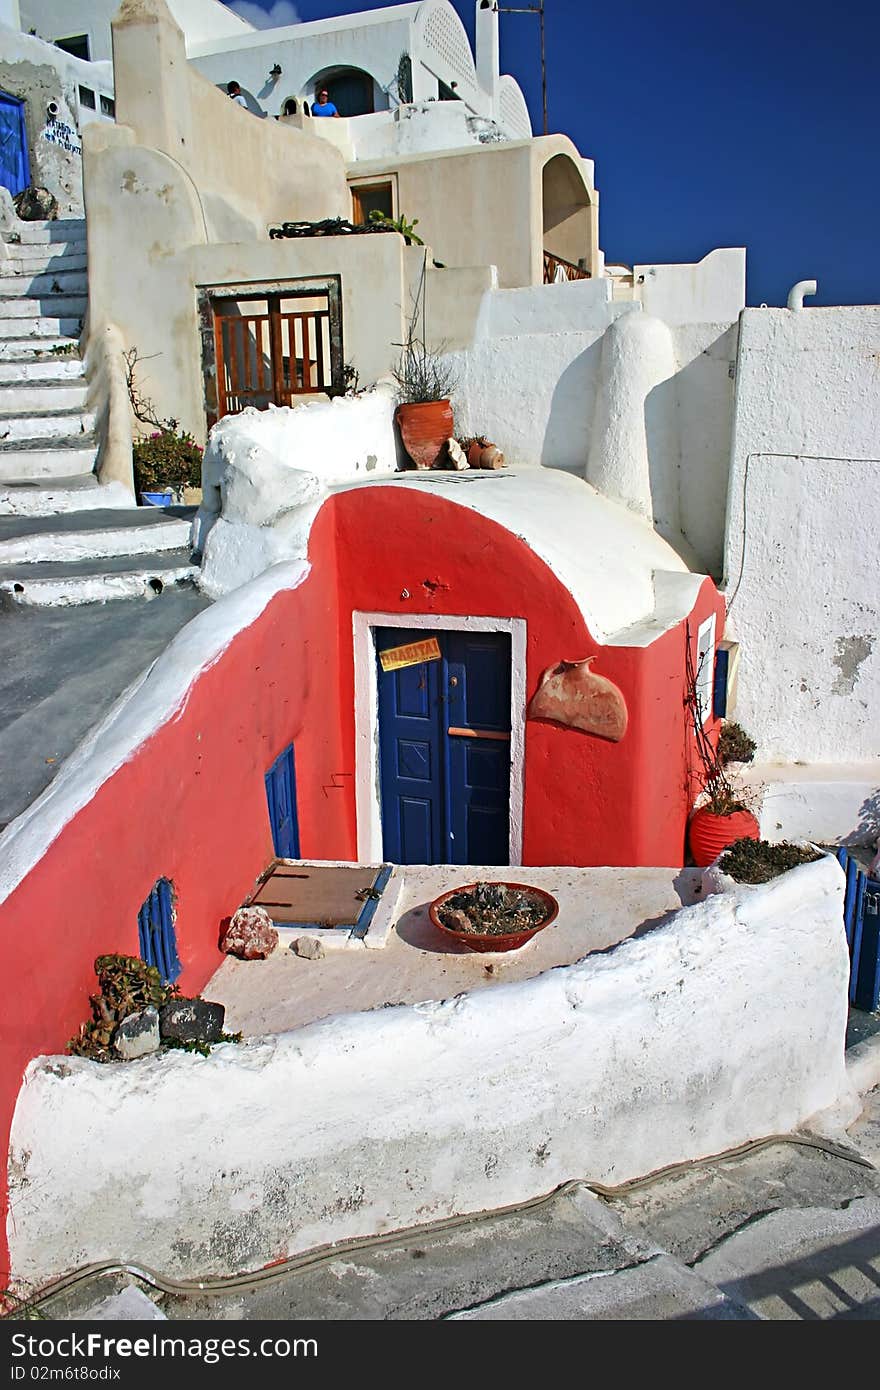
x=424 y=429
x=709 y=834
x=487 y=942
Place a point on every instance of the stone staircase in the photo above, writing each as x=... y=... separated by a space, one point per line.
x=65 y=538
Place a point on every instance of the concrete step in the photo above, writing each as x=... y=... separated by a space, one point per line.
x=47 y=305
x=62 y=255
x=51 y=496
x=39 y=349
x=36 y=460
x=38 y=369
x=41 y=233
x=93 y=535
x=32 y=396
x=69 y=583
x=54 y=425
x=37 y=283
x=40 y=327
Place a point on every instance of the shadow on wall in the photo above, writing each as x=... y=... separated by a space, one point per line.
x=704 y=411
x=566 y=442
x=868 y=828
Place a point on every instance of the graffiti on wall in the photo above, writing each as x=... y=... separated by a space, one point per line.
x=59 y=133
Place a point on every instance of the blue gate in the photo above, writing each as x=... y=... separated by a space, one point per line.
x=444 y=750
x=156 y=931
x=281 y=796
x=15 y=171
x=861 y=918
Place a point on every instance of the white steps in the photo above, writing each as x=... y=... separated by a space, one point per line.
x=67 y=306
x=65 y=539
x=39 y=369
x=42 y=233
x=57 y=425
x=48 y=496
x=91 y=536
x=65 y=460
x=37 y=394
x=40 y=327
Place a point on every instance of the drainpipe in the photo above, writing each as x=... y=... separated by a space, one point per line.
x=797 y=292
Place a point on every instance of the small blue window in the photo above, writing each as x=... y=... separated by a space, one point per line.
x=156 y=931
x=281 y=798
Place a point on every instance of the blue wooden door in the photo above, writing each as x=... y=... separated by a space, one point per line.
x=281 y=797
x=444 y=750
x=158 y=942
x=14 y=168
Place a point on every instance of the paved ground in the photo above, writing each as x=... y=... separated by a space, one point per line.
x=784 y=1232
x=60 y=671
x=597 y=909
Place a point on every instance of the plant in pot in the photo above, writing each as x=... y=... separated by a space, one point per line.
x=425 y=382
x=493 y=916
x=168 y=460
x=722 y=814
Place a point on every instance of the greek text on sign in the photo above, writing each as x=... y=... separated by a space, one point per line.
x=413 y=654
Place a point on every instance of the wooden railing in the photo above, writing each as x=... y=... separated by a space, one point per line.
x=554 y=263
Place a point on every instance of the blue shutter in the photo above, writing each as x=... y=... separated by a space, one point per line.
x=156 y=931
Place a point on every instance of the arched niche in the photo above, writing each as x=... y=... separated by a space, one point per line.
x=353 y=91
x=567 y=213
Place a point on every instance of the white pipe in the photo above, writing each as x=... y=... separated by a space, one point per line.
x=797 y=292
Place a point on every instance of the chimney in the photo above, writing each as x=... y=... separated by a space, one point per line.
x=487 y=49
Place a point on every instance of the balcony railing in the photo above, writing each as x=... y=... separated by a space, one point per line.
x=556 y=269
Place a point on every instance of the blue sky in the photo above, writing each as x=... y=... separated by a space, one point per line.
x=752 y=123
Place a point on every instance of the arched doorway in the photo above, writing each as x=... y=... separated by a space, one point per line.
x=567 y=221
x=352 y=90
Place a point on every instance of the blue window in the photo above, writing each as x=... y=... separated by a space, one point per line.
x=281 y=797
x=156 y=931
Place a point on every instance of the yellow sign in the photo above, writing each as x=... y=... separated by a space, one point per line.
x=413 y=654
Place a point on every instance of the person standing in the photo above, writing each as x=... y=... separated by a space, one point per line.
x=324 y=106
x=234 y=90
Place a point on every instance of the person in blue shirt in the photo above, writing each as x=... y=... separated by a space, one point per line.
x=324 y=106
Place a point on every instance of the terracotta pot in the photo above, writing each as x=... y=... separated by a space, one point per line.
x=709 y=834
x=486 y=942
x=424 y=429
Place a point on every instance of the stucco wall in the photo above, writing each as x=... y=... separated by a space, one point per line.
x=201 y=20
x=800 y=565
x=724 y=1025
x=39 y=74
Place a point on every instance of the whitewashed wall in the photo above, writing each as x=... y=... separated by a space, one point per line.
x=801 y=545
x=725 y=1025
x=531 y=382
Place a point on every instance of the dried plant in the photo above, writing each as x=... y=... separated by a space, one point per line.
x=422 y=374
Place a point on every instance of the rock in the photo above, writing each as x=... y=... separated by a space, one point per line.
x=250 y=934
x=36 y=205
x=457 y=455
x=309 y=947
x=192 y=1020
x=138 y=1034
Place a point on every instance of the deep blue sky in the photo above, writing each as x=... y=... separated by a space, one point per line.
x=749 y=123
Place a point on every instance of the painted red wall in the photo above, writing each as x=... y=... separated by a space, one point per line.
x=587 y=801
x=190 y=803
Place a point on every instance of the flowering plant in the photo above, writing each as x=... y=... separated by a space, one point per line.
x=168 y=456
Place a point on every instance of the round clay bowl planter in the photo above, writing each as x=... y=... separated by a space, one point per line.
x=424 y=429
x=710 y=834
x=477 y=941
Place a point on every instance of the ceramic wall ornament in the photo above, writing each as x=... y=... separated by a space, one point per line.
x=571 y=694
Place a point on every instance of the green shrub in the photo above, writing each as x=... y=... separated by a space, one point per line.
x=167 y=457
x=758 y=861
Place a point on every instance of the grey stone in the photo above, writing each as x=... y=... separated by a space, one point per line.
x=129 y=1305
x=36 y=205
x=309 y=947
x=192 y=1020
x=138 y=1034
